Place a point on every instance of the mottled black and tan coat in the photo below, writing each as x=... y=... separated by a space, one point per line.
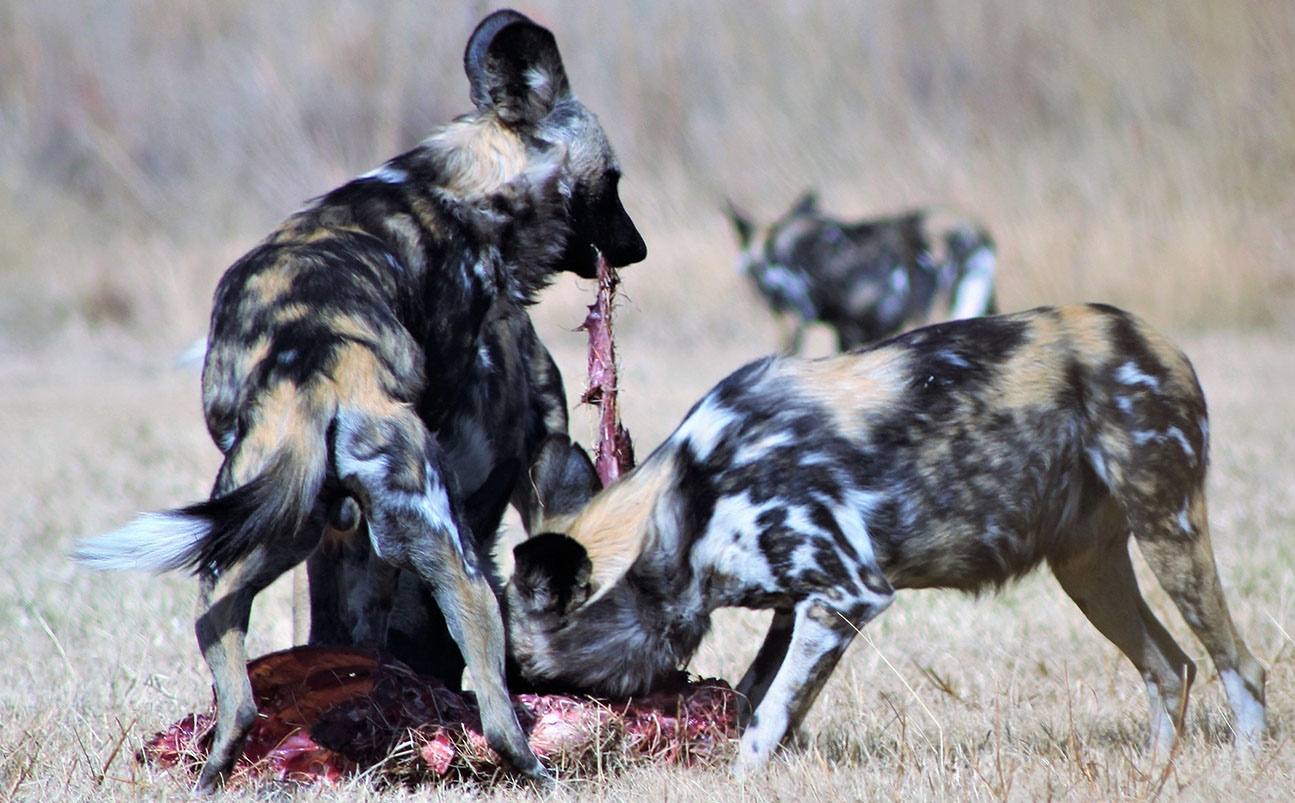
x=959 y=455
x=867 y=279
x=340 y=346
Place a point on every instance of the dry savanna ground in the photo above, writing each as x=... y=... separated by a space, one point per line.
x=1142 y=154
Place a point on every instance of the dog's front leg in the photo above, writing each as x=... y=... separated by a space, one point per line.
x=820 y=633
x=819 y=637
x=755 y=683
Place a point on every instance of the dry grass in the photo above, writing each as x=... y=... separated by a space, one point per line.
x=1007 y=697
x=1139 y=153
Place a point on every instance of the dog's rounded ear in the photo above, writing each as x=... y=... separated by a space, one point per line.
x=743 y=224
x=551 y=574
x=806 y=204
x=514 y=67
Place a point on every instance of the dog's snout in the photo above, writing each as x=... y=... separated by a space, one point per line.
x=626 y=245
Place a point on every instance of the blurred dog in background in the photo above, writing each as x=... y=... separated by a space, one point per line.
x=867 y=279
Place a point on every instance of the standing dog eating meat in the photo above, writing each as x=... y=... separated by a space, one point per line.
x=959 y=455
x=338 y=345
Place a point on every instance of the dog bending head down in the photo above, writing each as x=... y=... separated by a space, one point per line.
x=959 y=455
x=338 y=346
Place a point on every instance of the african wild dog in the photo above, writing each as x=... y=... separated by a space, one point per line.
x=338 y=347
x=868 y=279
x=507 y=426
x=959 y=455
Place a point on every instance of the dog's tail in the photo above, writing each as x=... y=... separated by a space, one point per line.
x=210 y=536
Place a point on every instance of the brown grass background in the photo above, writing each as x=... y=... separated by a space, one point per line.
x=1136 y=153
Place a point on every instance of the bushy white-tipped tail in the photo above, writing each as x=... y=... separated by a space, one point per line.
x=156 y=542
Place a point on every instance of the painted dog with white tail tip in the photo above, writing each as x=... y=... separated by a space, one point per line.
x=959 y=455
x=339 y=348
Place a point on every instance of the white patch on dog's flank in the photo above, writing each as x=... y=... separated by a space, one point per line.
x=155 y=542
x=702 y=430
x=976 y=287
x=852 y=517
x=1184 y=521
x=1097 y=462
x=751 y=452
x=953 y=358
x=1144 y=436
x=432 y=506
x=1129 y=374
x=1177 y=434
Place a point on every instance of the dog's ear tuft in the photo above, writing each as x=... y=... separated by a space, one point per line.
x=551 y=574
x=806 y=204
x=741 y=223
x=514 y=67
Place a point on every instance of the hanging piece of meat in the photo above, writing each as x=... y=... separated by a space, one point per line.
x=614 y=454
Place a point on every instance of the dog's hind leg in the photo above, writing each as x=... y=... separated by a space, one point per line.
x=397 y=470
x=755 y=683
x=1177 y=547
x=1099 y=578
x=224 y=605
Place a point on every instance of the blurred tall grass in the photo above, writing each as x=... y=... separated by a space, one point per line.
x=1141 y=153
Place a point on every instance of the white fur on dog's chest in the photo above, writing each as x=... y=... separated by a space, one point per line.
x=738 y=568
